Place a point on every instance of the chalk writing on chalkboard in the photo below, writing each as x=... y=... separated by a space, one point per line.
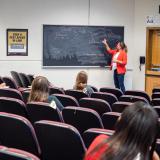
x=65 y=45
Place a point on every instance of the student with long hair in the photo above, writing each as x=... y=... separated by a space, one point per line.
x=134 y=137
x=81 y=83
x=40 y=93
x=118 y=64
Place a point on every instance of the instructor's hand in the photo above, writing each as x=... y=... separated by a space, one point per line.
x=104 y=41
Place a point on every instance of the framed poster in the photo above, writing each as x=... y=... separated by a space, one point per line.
x=17 y=42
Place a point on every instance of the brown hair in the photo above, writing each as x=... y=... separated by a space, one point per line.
x=81 y=80
x=123 y=46
x=131 y=134
x=40 y=90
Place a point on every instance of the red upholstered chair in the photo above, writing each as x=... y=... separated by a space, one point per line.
x=10 y=82
x=56 y=90
x=24 y=79
x=155 y=95
x=59 y=141
x=11 y=93
x=108 y=97
x=76 y=94
x=17 y=132
x=15 y=154
x=30 y=77
x=14 y=106
x=156 y=102
x=82 y=118
x=42 y=111
x=90 y=134
x=117 y=92
x=67 y=100
x=120 y=106
x=109 y=119
x=132 y=99
x=100 y=106
x=17 y=79
x=155 y=90
x=138 y=93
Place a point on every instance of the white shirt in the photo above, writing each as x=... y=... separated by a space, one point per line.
x=114 y=65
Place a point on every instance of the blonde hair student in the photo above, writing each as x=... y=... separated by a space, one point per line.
x=40 y=92
x=81 y=83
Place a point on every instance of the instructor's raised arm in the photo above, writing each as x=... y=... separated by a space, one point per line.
x=106 y=44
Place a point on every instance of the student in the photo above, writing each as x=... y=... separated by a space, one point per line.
x=134 y=137
x=81 y=83
x=119 y=61
x=40 y=93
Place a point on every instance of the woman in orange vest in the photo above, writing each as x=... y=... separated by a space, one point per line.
x=118 y=64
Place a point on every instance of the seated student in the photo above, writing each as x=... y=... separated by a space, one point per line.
x=134 y=137
x=40 y=93
x=81 y=83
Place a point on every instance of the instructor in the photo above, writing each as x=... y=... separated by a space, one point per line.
x=118 y=64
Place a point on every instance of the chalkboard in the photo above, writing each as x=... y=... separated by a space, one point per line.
x=66 y=45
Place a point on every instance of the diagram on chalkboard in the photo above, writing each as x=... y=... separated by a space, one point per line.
x=65 y=45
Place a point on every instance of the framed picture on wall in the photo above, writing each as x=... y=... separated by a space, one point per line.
x=17 y=42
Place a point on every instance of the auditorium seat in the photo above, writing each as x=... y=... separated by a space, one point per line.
x=156 y=102
x=14 y=106
x=17 y=79
x=15 y=154
x=138 y=93
x=90 y=134
x=24 y=79
x=56 y=90
x=25 y=95
x=59 y=141
x=42 y=111
x=108 y=97
x=30 y=77
x=67 y=100
x=99 y=105
x=76 y=94
x=117 y=92
x=109 y=119
x=82 y=118
x=155 y=95
x=17 y=132
x=10 y=82
x=154 y=90
x=11 y=93
x=120 y=106
x=132 y=99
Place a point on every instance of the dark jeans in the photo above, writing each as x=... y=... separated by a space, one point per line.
x=119 y=81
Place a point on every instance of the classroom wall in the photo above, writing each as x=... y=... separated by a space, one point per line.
x=143 y=8
x=32 y=15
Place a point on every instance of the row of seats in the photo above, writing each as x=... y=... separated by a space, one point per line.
x=101 y=102
x=22 y=78
x=81 y=118
x=48 y=139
